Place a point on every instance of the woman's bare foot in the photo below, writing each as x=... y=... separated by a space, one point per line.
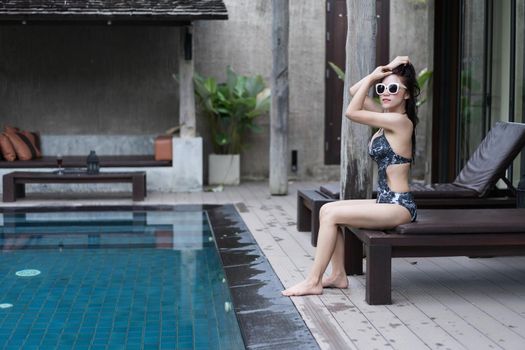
x=337 y=281
x=303 y=288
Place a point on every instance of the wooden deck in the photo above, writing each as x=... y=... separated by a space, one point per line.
x=438 y=303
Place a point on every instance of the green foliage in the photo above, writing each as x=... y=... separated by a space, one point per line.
x=423 y=79
x=232 y=108
x=337 y=70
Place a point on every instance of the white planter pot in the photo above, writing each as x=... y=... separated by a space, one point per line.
x=224 y=169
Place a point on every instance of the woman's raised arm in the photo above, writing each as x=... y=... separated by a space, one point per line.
x=357 y=112
x=369 y=104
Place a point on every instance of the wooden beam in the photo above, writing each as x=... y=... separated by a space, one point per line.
x=187 y=119
x=279 y=110
x=356 y=166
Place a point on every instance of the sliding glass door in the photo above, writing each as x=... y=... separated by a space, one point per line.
x=471 y=124
x=491 y=73
x=519 y=83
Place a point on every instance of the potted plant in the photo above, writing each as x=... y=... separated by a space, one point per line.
x=231 y=108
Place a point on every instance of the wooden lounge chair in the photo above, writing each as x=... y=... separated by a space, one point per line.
x=474 y=187
x=438 y=232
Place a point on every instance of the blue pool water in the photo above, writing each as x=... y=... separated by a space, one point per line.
x=110 y=280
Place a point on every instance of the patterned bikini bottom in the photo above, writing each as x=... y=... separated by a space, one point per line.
x=405 y=199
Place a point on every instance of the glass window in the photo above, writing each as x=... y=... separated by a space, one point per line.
x=471 y=122
x=500 y=63
x=519 y=89
x=492 y=73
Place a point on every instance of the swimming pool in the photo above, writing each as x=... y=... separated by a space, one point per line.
x=117 y=279
x=165 y=277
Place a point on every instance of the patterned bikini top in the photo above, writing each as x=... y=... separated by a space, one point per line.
x=380 y=150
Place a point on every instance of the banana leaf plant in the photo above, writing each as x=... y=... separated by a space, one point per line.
x=232 y=108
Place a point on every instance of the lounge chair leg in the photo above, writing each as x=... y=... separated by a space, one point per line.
x=138 y=187
x=9 y=188
x=20 y=190
x=378 y=274
x=353 y=253
x=304 y=214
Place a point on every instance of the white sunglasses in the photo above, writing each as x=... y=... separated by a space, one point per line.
x=392 y=88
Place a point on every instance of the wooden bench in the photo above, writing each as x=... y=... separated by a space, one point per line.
x=80 y=161
x=14 y=182
x=309 y=202
x=438 y=232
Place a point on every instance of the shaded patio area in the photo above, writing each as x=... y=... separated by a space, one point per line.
x=455 y=303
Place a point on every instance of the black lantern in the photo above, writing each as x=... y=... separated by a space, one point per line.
x=92 y=163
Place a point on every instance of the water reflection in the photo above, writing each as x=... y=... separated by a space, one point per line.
x=113 y=229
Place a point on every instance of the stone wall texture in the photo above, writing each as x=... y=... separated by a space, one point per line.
x=118 y=80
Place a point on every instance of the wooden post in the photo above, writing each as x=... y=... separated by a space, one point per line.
x=356 y=166
x=279 y=110
x=186 y=93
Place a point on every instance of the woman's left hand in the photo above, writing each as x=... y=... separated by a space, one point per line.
x=399 y=60
x=379 y=73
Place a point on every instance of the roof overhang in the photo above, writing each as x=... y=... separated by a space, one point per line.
x=168 y=12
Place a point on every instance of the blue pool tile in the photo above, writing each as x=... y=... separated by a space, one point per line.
x=89 y=302
x=134 y=346
x=32 y=343
x=66 y=345
x=48 y=343
x=168 y=346
x=30 y=347
x=151 y=346
x=183 y=346
x=183 y=339
x=5 y=333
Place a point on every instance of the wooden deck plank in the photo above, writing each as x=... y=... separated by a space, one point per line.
x=317 y=317
x=260 y=233
x=386 y=323
x=469 y=315
x=232 y=195
x=290 y=268
x=419 y=323
x=422 y=292
x=511 y=269
x=280 y=212
x=352 y=320
x=482 y=295
x=516 y=261
x=495 y=284
x=301 y=258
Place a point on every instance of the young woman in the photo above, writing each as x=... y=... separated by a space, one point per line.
x=392 y=147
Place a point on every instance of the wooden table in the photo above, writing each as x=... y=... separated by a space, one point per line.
x=14 y=182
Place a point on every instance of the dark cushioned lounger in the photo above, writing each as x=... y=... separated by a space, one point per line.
x=438 y=232
x=474 y=187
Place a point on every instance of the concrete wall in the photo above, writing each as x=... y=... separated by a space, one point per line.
x=244 y=42
x=88 y=79
x=118 y=80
